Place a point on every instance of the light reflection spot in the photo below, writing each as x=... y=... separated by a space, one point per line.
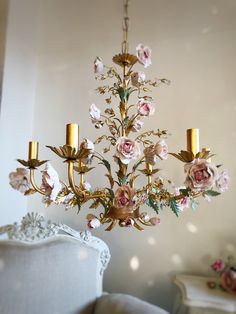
x=176 y=259
x=82 y=255
x=16 y=286
x=134 y=263
x=188 y=47
x=150 y=283
x=214 y=11
x=2 y=264
x=151 y=241
x=206 y=30
x=230 y=247
x=191 y=227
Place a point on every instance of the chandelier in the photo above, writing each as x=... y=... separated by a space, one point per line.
x=133 y=153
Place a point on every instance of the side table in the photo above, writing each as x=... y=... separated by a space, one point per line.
x=196 y=298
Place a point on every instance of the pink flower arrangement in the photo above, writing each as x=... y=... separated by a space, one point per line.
x=228 y=280
x=218 y=265
x=227 y=273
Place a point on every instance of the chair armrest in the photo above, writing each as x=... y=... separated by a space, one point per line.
x=124 y=304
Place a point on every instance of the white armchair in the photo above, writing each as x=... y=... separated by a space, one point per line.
x=52 y=269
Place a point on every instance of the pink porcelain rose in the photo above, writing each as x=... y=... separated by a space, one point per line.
x=50 y=182
x=127 y=149
x=124 y=197
x=228 y=280
x=144 y=55
x=145 y=108
x=161 y=149
x=218 y=265
x=201 y=174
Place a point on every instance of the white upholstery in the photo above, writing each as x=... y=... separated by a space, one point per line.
x=116 y=303
x=52 y=269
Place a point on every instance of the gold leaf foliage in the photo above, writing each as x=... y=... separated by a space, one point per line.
x=184 y=156
x=125 y=59
x=32 y=163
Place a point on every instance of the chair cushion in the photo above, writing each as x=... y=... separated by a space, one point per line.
x=55 y=276
x=125 y=304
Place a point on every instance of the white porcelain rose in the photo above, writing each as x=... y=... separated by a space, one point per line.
x=144 y=55
x=19 y=180
x=137 y=124
x=98 y=65
x=95 y=113
x=50 y=182
x=161 y=149
x=223 y=181
x=87 y=144
x=127 y=150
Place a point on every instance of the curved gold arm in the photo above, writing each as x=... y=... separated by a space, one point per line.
x=32 y=181
x=71 y=179
x=149 y=169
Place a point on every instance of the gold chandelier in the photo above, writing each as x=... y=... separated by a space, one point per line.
x=133 y=152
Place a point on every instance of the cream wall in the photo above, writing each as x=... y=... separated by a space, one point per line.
x=3 y=21
x=17 y=105
x=193 y=44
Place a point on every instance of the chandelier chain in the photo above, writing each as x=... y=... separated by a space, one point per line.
x=125 y=44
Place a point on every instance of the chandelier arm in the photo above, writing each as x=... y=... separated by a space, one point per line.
x=81 y=175
x=34 y=185
x=149 y=169
x=113 y=125
x=138 y=226
x=129 y=126
x=74 y=188
x=112 y=225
